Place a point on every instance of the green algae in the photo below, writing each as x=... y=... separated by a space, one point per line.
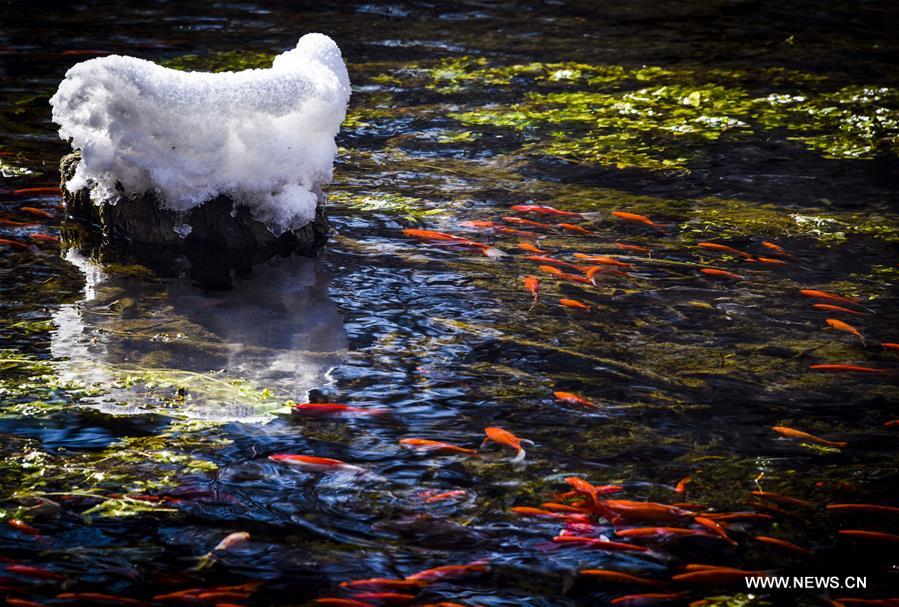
x=409 y=207
x=221 y=61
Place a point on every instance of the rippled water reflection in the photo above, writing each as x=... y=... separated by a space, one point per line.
x=139 y=412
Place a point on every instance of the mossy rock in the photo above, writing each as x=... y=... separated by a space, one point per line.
x=221 y=238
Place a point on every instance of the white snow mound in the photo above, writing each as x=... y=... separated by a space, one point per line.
x=264 y=137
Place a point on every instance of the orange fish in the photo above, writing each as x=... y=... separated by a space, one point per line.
x=865 y=508
x=553 y=261
x=660 y=532
x=315 y=409
x=20 y=525
x=43 y=237
x=593 y=542
x=634 y=218
x=553 y=506
x=530 y=248
x=633 y=248
x=840 y=368
x=575 y=228
x=574 y=399
x=14 y=602
x=573 y=303
x=507 y=439
x=720 y=575
x=682 y=484
x=445 y=571
x=37 y=191
x=792 y=433
x=35 y=572
x=777 y=249
x=715 y=527
x=891 y=424
x=603 y=260
x=526 y=222
x=565 y=275
x=652 y=597
x=739 y=516
x=532 y=285
x=876 y=536
x=17 y=224
x=594 y=270
x=832 y=308
x=545 y=210
x=37 y=212
x=314 y=464
x=14 y=244
x=785 y=499
x=436 y=447
x=439 y=497
x=721 y=273
x=649 y=511
x=815 y=294
x=768 y=260
x=890 y=346
x=541 y=513
x=779 y=543
x=487 y=250
x=617 y=576
x=722 y=248
x=839 y=325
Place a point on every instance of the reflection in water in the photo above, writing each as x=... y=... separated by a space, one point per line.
x=166 y=346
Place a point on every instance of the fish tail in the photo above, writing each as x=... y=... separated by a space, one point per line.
x=493 y=253
x=593 y=216
x=520 y=456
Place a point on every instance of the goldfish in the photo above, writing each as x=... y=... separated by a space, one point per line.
x=555 y=262
x=380 y=583
x=815 y=294
x=37 y=191
x=14 y=602
x=553 y=506
x=575 y=228
x=315 y=464
x=786 y=499
x=573 y=303
x=641 y=219
x=719 y=575
x=768 y=260
x=715 y=527
x=445 y=571
x=593 y=271
x=777 y=249
x=618 y=576
x=877 y=536
x=532 y=285
x=232 y=540
x=35 y=572
x=593 y=542
x=315 y=409
x=792 y=433
x=37 y=212
x=487 y=250
x=891 y=424
x=681 y=486
x=20 y=525
x=574 y=399
x=565 y=275
x=492 y=225
x=839 y=325
x=545 y=210
x=17 y=224
x=722 y=248
x=658 y=532
x=773 y=541
x=14 y=244
x=530 y=248
x=840 y=368
x=650 y=511
x=890 y=346
x=866 y=508
x=507 y=439
x=721 y=273
x=652 y=597
x=539 y=512
x=391 y=598
x=603 y=260
x=633 y=248
x=832 y=308
x=431 y=497
x=43 y=237
x=436 y=447
x=221 y=595
x=527 y=222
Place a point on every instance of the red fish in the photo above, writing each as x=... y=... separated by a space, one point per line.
x=35 y=572
x=527 y=222
x=840 y=368
x=815 y=294
x=891 y=424
x=768 y=260
x=876 y=536
x=436 y=447
x=863 y=508
x=715 y=527
x=487 y=250
x=890 y=346
x=445 y=571
x=545 y=210
x=618 y=576
x=14 y=244
x=431 y=497
x=37 y=191
x=648 y=511
x=313 y=463
x=555 y=262
x=793 y=433
x=641 y=219
x=566 y=276
x=785 y=499
x=832 y=308
x=316 y=409
x=14 y=602
x=20 y=525
x=532 y=285
x=575 y=228
x=739 y=516
x=530 y=248
x=541 y=513
x=722 y=248
x=593 y=542
x=682 y=484
x=839 y=325
x=17 y=224
x=574 y=399
x=43 y=237
x=779 y=543
x=603 y=260
x=573 y=303
x=507 y=439
x=633 y=248
x=594 y=270
x=659 y=532
x=553 y=506
x=721 y=273
x=778 y=249
x=37 y=212
x=720 y=575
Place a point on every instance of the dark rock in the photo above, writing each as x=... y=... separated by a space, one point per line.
x=219 y=243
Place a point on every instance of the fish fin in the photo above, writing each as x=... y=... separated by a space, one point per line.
x=493 y=253
x=528 y=441
x=594 y=216
x=484 y=443
x=520 y=456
